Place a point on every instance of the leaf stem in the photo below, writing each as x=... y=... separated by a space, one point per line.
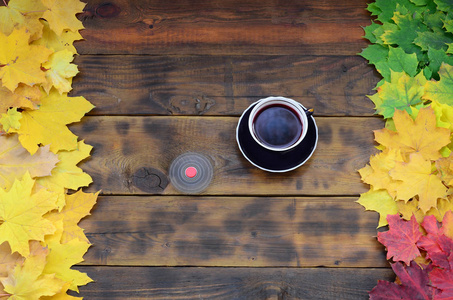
x=6 y=4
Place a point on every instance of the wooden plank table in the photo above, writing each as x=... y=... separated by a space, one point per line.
x=169 y=77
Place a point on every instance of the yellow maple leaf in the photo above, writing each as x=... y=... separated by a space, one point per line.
x=9 y=19
x=57 y=43
x=10 y=119
x=78 y=206
x=378 y=174
x=61 y=15
x=27 y=280
x=443 y=206
x=416 y=178
x=62 y=295
x=63 y=256
x=66 y=174
x=22 y=13
x=415 y=136
x=21 y=214
x=19 y=61
x=445 y=167
x=409 y=208
x=379 y=201
x=60 y=71
x=47 y=125
x=15 y=161
x=444 y=114
x=444 y=118
x=24 y=96
x=365 y=172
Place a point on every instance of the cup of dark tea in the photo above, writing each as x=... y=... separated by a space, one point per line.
x=278 y=123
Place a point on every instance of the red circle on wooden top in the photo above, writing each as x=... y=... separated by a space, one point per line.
x=191 y=172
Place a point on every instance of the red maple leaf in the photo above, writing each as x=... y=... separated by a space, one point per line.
x=401 y=239
x=443 y=280
x=414 y=284
x=430 y=242
x=438 y=247
x=441 y=259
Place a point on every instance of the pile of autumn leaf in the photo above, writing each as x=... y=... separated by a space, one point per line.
x=411 y=178
x=39 y=234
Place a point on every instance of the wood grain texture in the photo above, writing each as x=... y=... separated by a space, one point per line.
x=231 y=283
x=152 y=68
x=223 y=85
x=325 y=27
x=123 y=146
x=232 y=231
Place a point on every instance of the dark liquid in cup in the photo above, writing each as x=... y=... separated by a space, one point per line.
x=277 y=126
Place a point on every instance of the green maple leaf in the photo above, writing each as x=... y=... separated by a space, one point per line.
x=375 y=53
x=450 y=48
x=383 y=68
x=434 y=20
x=437 y=39
x=374 y=9
x=411 y=8
x=379 y=32
x=444 y=5
x=399 y=61
x=369 y=35
x=442 y=90
x=420 y=2
x=402 y=92
x=404 y=32
x=386 y=59
x=436 y=58
x=384 y=9
x=448 y=24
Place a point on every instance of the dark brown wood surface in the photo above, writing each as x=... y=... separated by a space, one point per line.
x=223 y=85
x=232 y=232
x=288 y=27
x=169 y=77
x=232 y=283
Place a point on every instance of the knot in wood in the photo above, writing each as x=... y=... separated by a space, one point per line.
x=150 y=180
x=107 y=10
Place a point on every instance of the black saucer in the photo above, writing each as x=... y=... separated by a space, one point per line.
x=275 y=161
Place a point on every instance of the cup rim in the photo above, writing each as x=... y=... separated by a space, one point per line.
x=269 y=101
